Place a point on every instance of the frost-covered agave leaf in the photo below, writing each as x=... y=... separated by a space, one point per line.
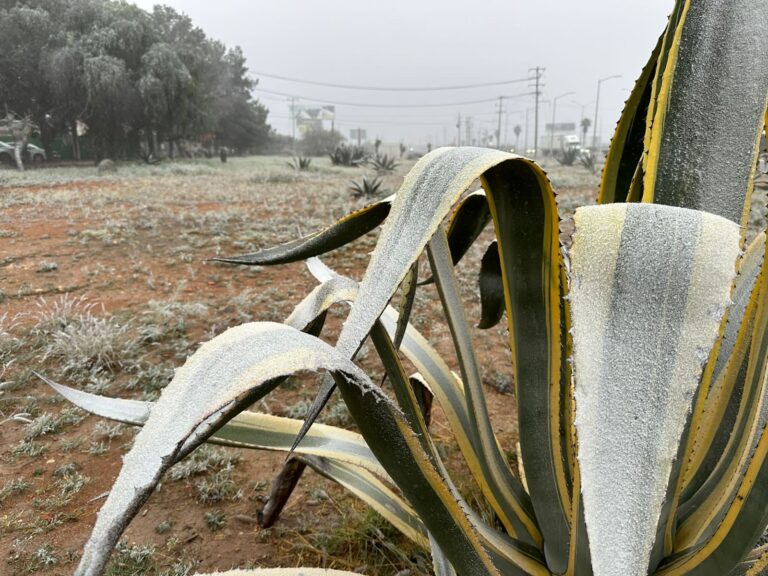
x=425 y=198
x=709 y=109
x=243 y=363
x=649 y=286
x=333 y=289
x=246 y=430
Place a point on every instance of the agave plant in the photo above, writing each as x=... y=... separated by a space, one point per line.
x=383 y=163
x=366 y=186
x=344 y=155
x=567 y=156
x=588 y=160
x=639 y=354
x=300 y=163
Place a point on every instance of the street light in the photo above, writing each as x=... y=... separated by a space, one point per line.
x=554 y=109
x=582 y=105
x=597 y=107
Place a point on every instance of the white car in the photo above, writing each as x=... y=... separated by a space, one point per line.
x=33 y=154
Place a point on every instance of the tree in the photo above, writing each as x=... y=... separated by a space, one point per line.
x=25 y=35
x=241 y=123
x=167 y=89
x=126 y=74
x=585 y=124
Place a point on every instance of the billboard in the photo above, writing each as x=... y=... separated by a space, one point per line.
x=561 y=127
x=312 y=118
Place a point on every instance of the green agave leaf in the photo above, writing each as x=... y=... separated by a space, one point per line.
x=491 y=288
x=406 y=303
x=510 y=556
x=495 y=469
x=434 y=184
x=669 y=46
x=580 y=558
x=342 y=232
x=467 y=223
x=526 y=223
x=716 y=406
x=509 y=501
x=648 y=283
x=709 y=108
x=626 y=150
x=333 y=290
x=439 y=561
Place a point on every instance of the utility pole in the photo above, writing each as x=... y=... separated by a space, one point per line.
x=506 y=129
x=527 y=114
x=536 y=79
x=468 y=130
x=292 y=100
x=458 y=130
x=498 y=128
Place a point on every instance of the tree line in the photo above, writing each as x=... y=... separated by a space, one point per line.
x=133 y=78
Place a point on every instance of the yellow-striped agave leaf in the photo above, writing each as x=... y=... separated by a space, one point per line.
x=649 y=287
x=722 y=386
x=246 y=430
x=338 y=454
x=342 y=232
x=625 y=155
x=373 y=492
x=709 y=108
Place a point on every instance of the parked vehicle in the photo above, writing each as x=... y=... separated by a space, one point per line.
x=33 y=154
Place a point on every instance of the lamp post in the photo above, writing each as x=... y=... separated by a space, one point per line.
x=597 y=107
x=552 y=132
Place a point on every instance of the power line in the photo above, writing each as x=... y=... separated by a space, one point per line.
x=356 y=122
x=367 y=105
x=391 y=88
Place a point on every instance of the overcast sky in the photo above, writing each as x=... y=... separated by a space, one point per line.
x=428 y=43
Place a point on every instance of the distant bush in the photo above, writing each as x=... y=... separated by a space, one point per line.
x=318 y=142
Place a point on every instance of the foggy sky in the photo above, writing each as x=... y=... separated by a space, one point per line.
x=422 y=43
